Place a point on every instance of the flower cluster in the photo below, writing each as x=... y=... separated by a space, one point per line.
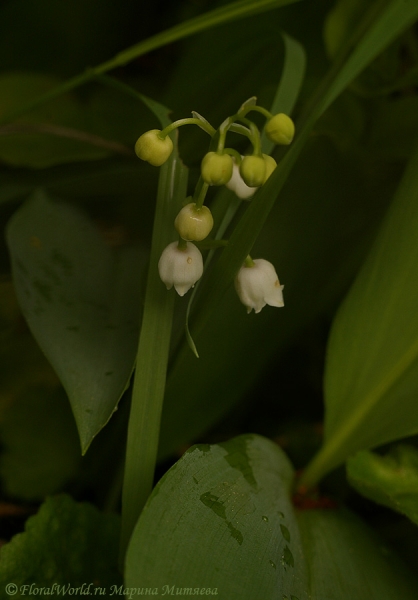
x=181 y=263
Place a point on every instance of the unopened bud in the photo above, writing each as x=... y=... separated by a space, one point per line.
x=238 y=185
x=253 y=170
x=280 y=129
x=216 y=168
x=270 y=166
x=194 y=224
x=152 y=148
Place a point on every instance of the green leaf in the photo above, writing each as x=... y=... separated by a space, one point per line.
x=66 y=543
x=152 y=354
x=391 y=480
x=383 y=23
x=222 y=519
x=347 y=561
x=371 y=380
x=40 y=445
x=82 y=302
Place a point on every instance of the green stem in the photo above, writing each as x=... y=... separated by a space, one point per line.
x=152 y=358
x=235 y=154
x=182 y=244
x=223 y=130
x=238 y=128
x=202 y=195
x=255 y=137
x=189 y=121
x=200 y=191
x=259 y=109
x=248 y=262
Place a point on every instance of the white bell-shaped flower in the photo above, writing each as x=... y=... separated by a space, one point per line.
x=238 y=185
x=180 y=267
x=257 y=284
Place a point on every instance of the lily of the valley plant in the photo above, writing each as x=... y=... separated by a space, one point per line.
x=181 y=264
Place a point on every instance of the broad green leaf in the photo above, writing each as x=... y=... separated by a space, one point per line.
x=346 y=561
x=66 y=543
x=22 y=364
x=371 y=379
x=81 y=300
x=222 y=519
x=391 y=480
x=40 y=453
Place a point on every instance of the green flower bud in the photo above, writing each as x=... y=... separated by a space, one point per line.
x=152 y=148
x=194 y=224
x=216 y=168
x=280 y=129
x=238 y=185
x=270 y=166
x=253 y=170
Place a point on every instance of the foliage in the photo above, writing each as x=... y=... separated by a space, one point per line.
x=96 y=352
x=64 y=543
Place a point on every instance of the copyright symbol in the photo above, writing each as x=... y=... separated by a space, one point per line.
x=11 y=589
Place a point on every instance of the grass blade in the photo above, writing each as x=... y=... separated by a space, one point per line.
x=152 y=356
